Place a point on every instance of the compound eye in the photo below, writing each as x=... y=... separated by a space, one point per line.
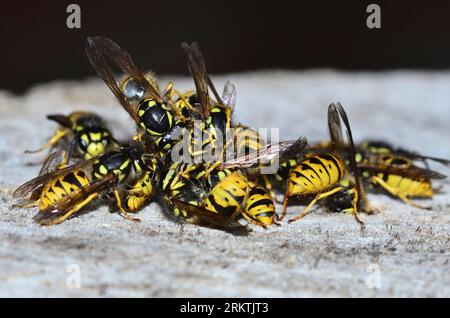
x=155 y=118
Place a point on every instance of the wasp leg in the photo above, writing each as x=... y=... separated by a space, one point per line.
x=124 y=212
x=59 y=134
x=285 y=201
x=396 y=193
x=75 y=209
x=168 y=90
x=219 y=162
x=269 y=187
x=318 y=197
x=355 y=207
x=252 y=221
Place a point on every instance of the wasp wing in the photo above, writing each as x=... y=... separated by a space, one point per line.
x=41 y=180
x=407 y=171
x=335 y=113
x=201 y=216
x=198 y=71
x=416 y=156
x=106 y=73
x=229 y=95
x=126 y=65
x=263 y=156
x=68 y=203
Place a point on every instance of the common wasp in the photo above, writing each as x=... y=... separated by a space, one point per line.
x=324 y=174
x=60 y=191
x=221 y=133
x=384 y=167
x=138 y=93
x=83 y=134
x=232 y=188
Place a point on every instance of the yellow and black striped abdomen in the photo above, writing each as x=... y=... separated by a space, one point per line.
x=140 y=192
x=56 y=189
x=229 y=195
x=260 y=206
x=409 y=187
x=315 y=174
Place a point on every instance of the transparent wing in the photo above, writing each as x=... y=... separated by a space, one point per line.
x=39 y=181
x=203 y=216
x=407 y=171
x=229 y=95
x=335 y=113
x=198 y=70
x=265 y=155
x=69 y=202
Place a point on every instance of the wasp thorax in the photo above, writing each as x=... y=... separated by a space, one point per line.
x=116 y=162
x=155 y=118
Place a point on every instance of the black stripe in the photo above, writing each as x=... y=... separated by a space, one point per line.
x=72 y=179
x=258 y=190
x=58 y=184
x=336 y=164
x=318 y=161
x=300 y=175
x=225 y=210
x=266 y=214
x=239 y=199
x=311 y=168
x=267 y=202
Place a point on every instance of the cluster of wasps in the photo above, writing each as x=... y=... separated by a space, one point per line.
x=87 y=163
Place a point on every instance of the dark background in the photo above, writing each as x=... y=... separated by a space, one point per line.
x=235 y=36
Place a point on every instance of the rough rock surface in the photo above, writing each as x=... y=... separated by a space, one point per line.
x=403 y=252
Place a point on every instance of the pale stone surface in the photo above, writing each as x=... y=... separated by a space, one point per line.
x=321 y=255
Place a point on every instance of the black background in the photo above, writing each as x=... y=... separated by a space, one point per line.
x=234 y=36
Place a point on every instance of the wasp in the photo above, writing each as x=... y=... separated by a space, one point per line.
x=84 y=134
x=216 y=115
x=399 y=177
x=384 y=167
x=61 y=191
x=139 y=94
x=183 y=188
x=322 y=174
x=235 y=190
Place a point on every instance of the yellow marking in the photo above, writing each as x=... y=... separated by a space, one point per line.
x=102 y=169
x=75 y=209
x=258 y=210
x=95 y=149
x=124 y=165
x=119 y=205
x=358 y=157
x=228 y=192
x=311 y=178
x=395 y=192
x=95 y=136
x=150 y=102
